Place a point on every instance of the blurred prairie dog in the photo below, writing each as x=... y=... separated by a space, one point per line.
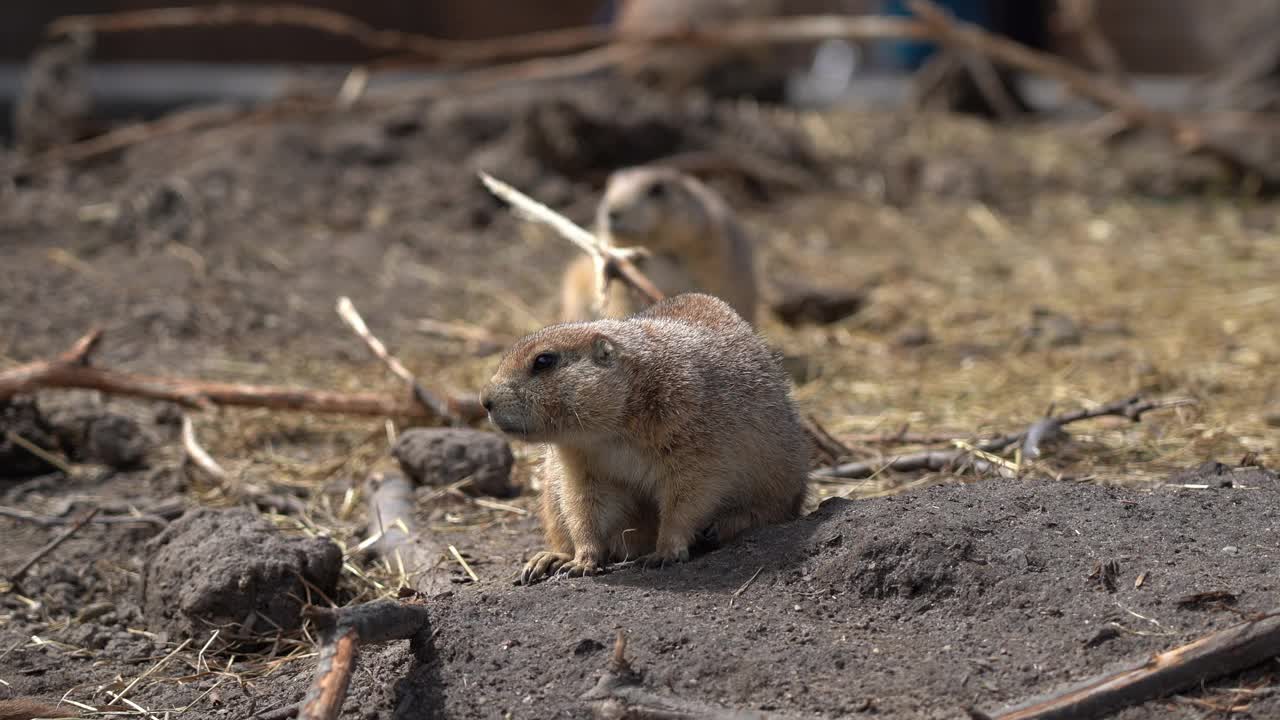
x=688 y=239
x=28 y=708
x=668 y=424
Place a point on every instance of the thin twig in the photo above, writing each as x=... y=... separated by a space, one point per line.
x=40 y=452
x=197 y=454
x=747 y=584
x=347 y=310
x=936 y=460
x=608 y=260
x=50 y=520
x=53 y=545
x=463 y=562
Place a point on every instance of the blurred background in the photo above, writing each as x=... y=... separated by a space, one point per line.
x=145 y=73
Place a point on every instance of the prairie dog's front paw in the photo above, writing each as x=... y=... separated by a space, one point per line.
x=583 y=563
x=541 y=565
x=670 y=556
x=575 y=568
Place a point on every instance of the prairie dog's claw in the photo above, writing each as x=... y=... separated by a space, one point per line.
x=541 y=565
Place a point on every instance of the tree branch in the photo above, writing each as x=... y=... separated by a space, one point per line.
x=335 y=23
x=936 y=460
x=348 y=629
x=610 y=262
x=71 y=370
x=1221 y=653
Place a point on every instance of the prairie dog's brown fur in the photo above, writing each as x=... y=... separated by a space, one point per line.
x=28 y=708
x=691 y=240
x=669 y=423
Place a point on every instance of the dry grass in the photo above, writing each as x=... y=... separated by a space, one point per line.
x=1172 y=297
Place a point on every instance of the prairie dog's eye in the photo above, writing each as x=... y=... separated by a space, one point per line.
x=544 y=361
x=656 y=191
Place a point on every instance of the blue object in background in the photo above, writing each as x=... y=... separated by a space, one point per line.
x=910 y=54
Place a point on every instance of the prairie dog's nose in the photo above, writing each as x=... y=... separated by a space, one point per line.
x=486 y=402
x=614 y=215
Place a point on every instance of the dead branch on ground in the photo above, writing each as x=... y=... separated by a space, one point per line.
x=823 y=441
x=51 y=520
x=609 y=261
x=346 y=631
x=53 y=545
x=347 y=310
x=392 y=42
x=902 y=437
x=937 y=460
x=71 y=369
x=1221 y=653
x=410 y=552
x=471 y=52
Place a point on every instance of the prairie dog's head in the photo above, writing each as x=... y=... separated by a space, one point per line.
x=653 y=208
x=560 y=383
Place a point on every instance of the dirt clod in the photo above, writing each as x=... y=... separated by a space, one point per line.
x=802 y=304
x=21 y=418
x=214 y=568
x=443 y=456
x=1049 y=329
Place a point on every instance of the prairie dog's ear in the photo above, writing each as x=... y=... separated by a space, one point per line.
x=603 y=351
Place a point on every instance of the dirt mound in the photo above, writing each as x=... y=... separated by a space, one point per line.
x=219 y=568
x=903 y=606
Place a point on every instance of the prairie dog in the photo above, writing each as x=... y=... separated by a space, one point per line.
x=27 y=708
x=661 y=426
x=690 y=240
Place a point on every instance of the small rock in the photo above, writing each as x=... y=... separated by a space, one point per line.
x=914 y=336
x=232 y=569
x=1272 y=418
x=1231 y=550
x=442 y=456
x=1017 y=557
x=801 y=305
x=116 y=441
x=1049 y=329
x=587 y=646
